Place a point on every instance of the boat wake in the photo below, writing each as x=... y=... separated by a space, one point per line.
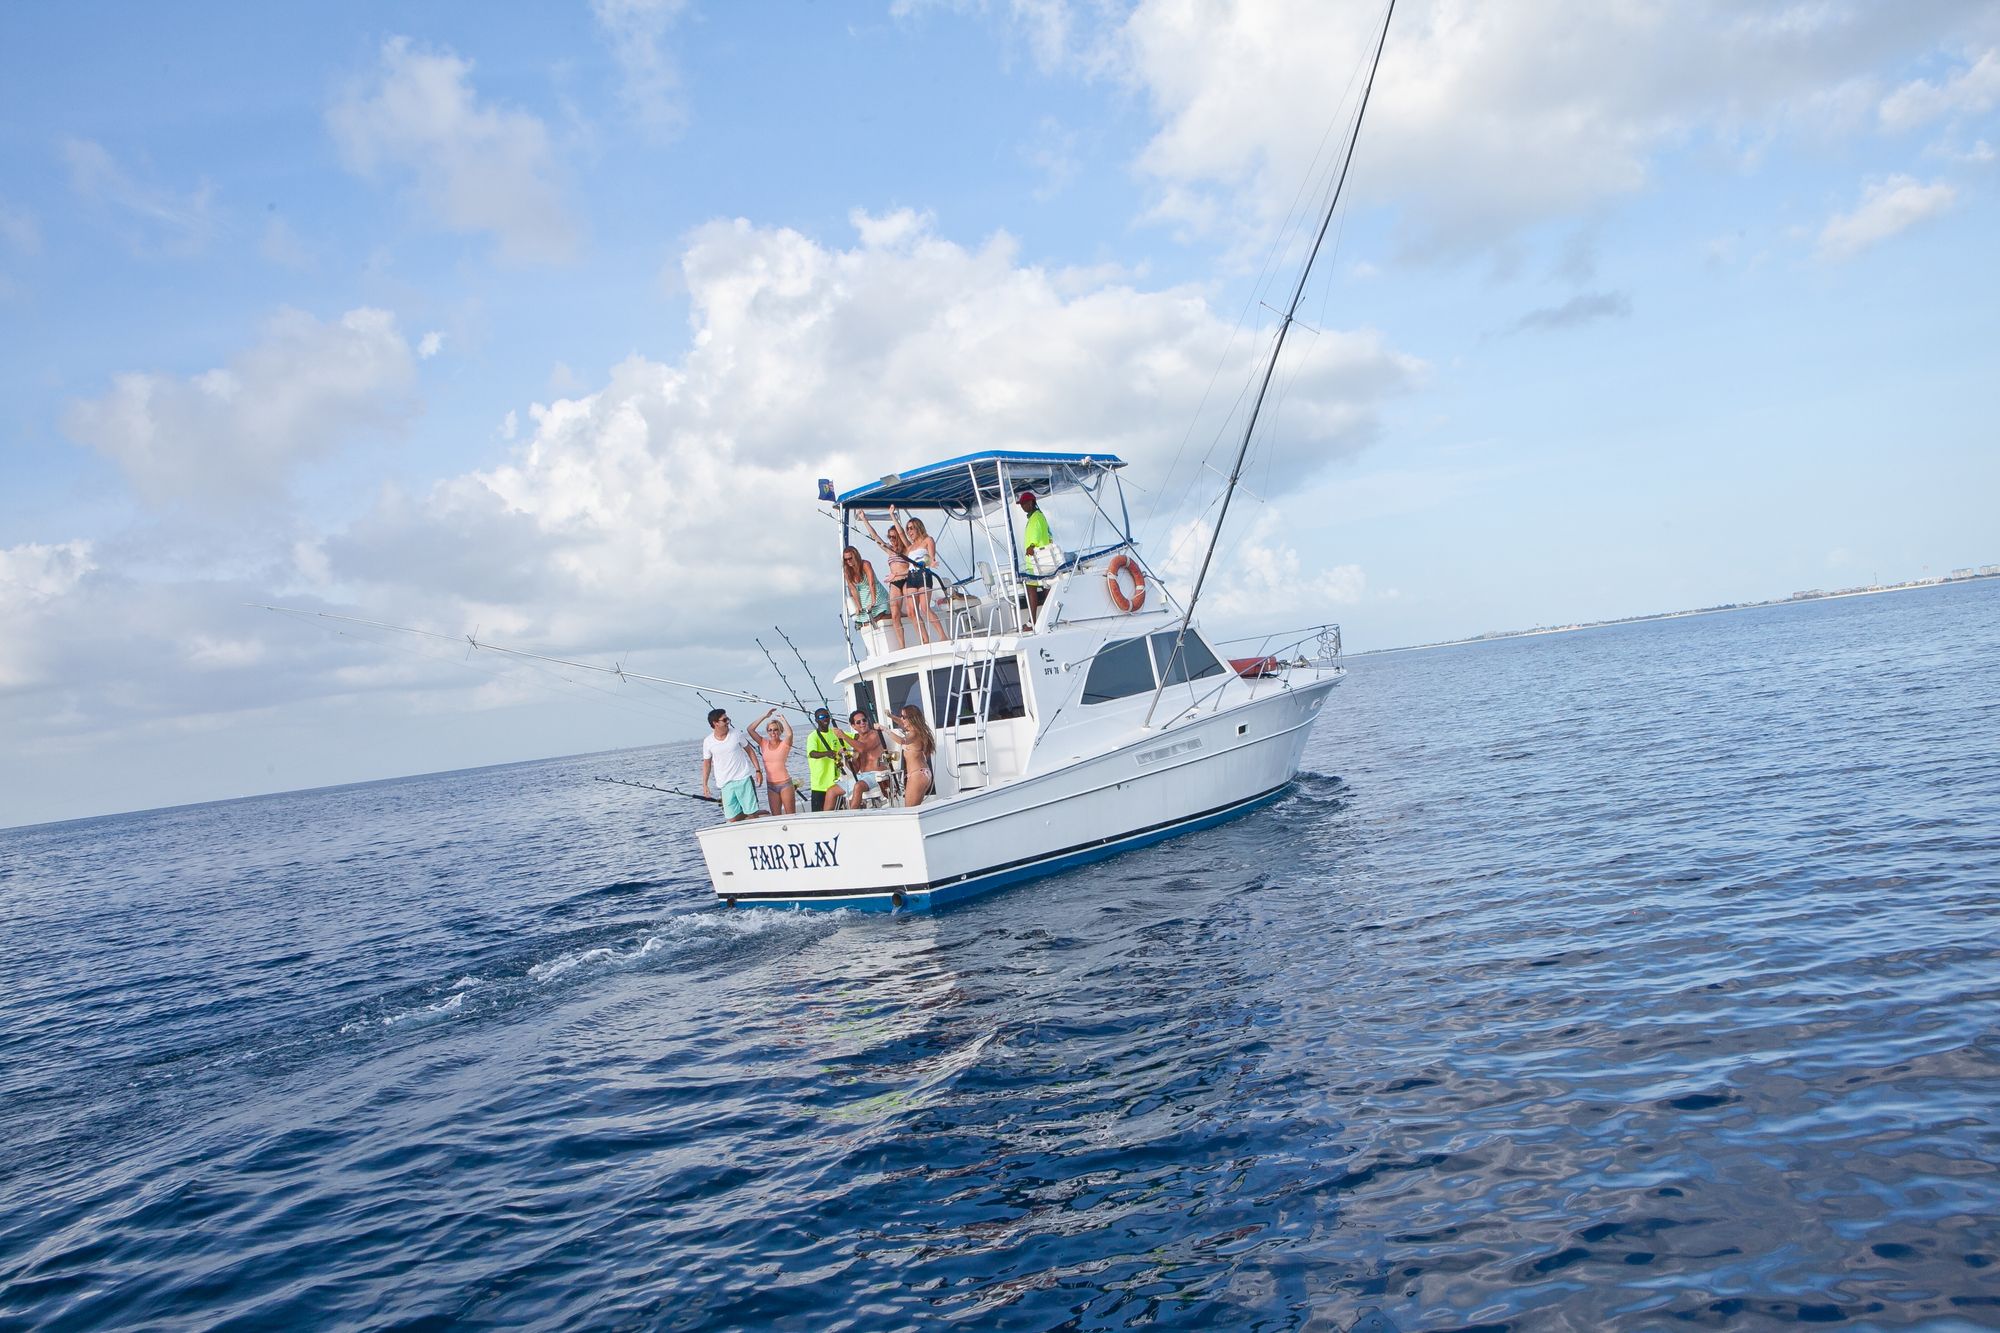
x=679 y=937
x=681 y=940
x=1319 y=789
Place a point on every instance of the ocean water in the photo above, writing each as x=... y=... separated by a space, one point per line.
x=1644 y=977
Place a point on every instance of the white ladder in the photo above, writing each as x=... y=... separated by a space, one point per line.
x=968 y=748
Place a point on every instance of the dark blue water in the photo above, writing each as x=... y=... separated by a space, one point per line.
x=1635 y=978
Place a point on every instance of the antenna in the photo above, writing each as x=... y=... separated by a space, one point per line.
x=1271 y=367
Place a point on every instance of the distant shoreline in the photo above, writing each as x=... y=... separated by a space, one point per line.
x=1813 y=595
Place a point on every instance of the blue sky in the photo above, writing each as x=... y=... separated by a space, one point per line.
x=541 y=320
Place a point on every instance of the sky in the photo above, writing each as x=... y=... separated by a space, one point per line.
x=539 y=323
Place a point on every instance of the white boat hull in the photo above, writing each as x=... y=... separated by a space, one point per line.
x=1157 y=786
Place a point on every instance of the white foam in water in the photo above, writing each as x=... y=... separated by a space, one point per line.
x=678 y=936
x=683 y=933
x=443 y=1007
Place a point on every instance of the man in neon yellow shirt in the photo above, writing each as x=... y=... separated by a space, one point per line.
x=823 y=750
x=1033 y=538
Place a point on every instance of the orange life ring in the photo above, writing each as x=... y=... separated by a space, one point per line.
x=1125 y=564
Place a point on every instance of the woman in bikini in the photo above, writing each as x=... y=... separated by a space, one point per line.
x=899 y=570
x=865 y=592
x=921 y=548
x=917 y=743
x=775 y=743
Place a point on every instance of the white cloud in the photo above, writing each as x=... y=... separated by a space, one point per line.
x=1257 y=574
x=472 y=166
x=1970 y=91
x=432 y=344
x=32 y=577
x=179 y=224
x=667 y=512
x=1886 y=208
x=1052 y=29
x=637 y=30
x=1487 y=119
x=675 y=500
x=236 y=433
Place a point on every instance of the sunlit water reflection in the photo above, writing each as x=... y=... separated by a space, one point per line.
x=1613 y=979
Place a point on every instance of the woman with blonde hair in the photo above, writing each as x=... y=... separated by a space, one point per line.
x=899 y=568
x=921 y=547
x=918 y=746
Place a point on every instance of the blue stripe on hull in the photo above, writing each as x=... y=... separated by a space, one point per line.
x=919 y=900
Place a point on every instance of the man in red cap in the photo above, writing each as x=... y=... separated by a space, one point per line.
x=1034 y=538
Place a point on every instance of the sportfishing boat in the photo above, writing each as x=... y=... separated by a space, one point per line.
x=1078 y=710
x=1103 y=721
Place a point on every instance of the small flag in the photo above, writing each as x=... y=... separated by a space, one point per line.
x=826 y=490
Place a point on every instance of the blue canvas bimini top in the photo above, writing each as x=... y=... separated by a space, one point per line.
x=969 y=479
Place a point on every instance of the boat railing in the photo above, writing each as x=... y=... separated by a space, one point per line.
x=1276 y=656
x=1313 y=646
x=987 y=603
x=1281 y=652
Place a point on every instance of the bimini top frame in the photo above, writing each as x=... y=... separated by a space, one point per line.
x=968 y=484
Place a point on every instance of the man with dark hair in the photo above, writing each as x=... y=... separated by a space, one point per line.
x=1034 y=537
x=824 y=749
x=732 y=758
x=870 y=763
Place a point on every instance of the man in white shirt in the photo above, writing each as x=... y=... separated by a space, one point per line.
x=731 y=758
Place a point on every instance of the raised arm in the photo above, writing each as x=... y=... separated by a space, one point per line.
x=873 y=535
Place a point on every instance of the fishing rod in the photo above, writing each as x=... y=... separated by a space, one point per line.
x=807 y=665
x=1271 y=367
x=618 y=671
x=667 y=791
x=781 y=677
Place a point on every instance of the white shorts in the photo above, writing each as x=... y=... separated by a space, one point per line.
x=871 y=780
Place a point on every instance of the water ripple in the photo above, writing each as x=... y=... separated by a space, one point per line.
x=1637 y=978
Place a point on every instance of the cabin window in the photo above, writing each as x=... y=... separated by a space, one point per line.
x=955 y=692
x=864 y=700
x=1122 y=669
x=905 y=690
x=954 y=697
x=1006 y=700
x=1196 y=661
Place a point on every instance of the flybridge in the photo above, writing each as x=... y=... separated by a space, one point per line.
x=973 y=481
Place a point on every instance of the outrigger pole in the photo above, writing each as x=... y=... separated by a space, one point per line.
x=618 y=671
x=1271 y=367
x=798 y=702
x=667 y=791
x=808 y=666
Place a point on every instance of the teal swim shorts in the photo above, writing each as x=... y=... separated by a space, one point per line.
x=739 y=798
